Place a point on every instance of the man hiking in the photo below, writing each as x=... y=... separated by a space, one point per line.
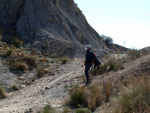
x=88 y=62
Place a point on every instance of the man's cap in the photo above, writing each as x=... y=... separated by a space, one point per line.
x=88 y=46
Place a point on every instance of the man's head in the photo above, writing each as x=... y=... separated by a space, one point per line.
x=88 y=47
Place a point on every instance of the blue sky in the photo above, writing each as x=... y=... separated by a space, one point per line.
x=126 y=21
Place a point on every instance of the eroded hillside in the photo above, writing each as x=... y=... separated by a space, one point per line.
x=48 y=25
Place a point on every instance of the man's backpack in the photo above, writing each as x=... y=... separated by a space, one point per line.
x=96 y=62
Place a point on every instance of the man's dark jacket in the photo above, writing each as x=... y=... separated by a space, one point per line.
x=89 y=57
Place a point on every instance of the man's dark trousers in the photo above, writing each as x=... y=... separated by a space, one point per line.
x=87 y=68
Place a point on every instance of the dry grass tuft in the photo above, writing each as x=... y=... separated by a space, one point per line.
x=95 y=97
x=135 y=97
x=30 y=60
x=107 y=89
x=17 y=42
x=15 y=88
x=21 y=66
x=10 y=53
x=133 y=54
x=113 y=64
x=3 y=93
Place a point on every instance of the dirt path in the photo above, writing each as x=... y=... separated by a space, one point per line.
x=47 y=90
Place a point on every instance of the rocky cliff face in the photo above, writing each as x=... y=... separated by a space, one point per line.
x=47 y=23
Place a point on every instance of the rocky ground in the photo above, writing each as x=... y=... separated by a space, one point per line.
x=47 y=90
x=6 y=77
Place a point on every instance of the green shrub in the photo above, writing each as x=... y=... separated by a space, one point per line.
x=49 y=109
x=107 y=39
x=79 y=97
x=10 y=53
x=64 y=60
x=52 y=61
x=40 y=74
x=83 y=110
x=3 y=93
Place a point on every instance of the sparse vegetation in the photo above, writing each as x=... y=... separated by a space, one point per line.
x=20 y=62
x=70 y=2
x=145 y=51
x=30 y=60
x=3 y=93
x=133 y=54
x=83 y=110
x=113 y=64
x=49 y=109
x=40 y=73
x=91 y=97
x=64 y=60
x=10 y=53
x=66 y=110
x=108 y=89
x=79 y=97
x=21 y=66
x=17 y=42
x=95 y=97
x=15 y=87
x=135 y=97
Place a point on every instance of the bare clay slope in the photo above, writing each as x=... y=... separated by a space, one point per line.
x=47 y=90
x=41 y=22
